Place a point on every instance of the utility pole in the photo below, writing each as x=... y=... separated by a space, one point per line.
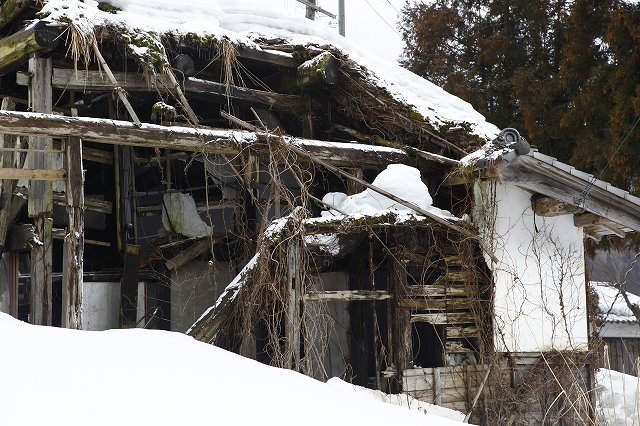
x=341 y=22
x=311 y=11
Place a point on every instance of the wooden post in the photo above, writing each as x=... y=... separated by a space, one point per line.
x=437 y=387
x=7 y=186
x=293 y=318
x=41 y=197
x=74 y=238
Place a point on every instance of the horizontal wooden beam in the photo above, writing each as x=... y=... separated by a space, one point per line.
x=29 y=174
x=206 y=141
x=536 y=176
x=445 y=318
x=550 y=207
x=347 y=295
x=16 y=48
x=96 y=81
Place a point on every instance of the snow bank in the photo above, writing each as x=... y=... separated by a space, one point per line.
x=248 y=21
x=55 y=377
x=402 y=399
x=400 y=180
x=618 y=398
x=611 y=305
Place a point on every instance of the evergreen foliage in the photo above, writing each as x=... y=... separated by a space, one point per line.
x=566 y=73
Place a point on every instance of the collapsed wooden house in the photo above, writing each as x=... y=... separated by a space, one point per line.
x=196 y=182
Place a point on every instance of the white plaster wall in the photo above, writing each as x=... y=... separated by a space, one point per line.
x=100 y=305
x=194 y=288
x=540 y=296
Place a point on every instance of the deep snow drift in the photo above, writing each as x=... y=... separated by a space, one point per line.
x=618 y=398
x=54 y=376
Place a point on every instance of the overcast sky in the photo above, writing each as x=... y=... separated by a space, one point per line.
x=372 y=24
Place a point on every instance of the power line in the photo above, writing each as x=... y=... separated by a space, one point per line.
x=587 y=189
x=393 y=6
x=384 y=20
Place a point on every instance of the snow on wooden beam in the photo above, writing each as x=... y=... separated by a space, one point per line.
x=347 y=295
x=208 y=141
x=16 y=48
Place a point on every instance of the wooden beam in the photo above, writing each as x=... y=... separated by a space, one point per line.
x=8 y=159
x=550 y=207
x=536 y=176
x=212 y=320
x=95 y=81
x=445 y=318
x=30 y=174
x=188 y=254
x=16 y=48
x=588 y=219
x=40 y=203
x=11 y=9
x=208 y=141
x=97 y=155
x=347 y=295
x=319 y=72
x=72 y=268
x=376 y=140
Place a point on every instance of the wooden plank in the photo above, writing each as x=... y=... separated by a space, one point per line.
x=16 y=48
x=434 y=291
x=97 y=155
x=445 y=318
x=188 y=254
x=454 y=332
x=30 y=174
x=347 y=295
x=40 y=203
x=207 y=141
x=73 y=247
x=95 y=81
x=436 y=304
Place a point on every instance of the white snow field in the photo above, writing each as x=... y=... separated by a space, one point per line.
x=618 y=398
x=54 y=376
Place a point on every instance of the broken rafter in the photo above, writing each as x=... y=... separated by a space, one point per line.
x=16 y=48
x=119 y=90
x=208 y=141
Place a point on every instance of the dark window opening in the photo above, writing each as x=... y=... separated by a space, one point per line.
x=427 y=342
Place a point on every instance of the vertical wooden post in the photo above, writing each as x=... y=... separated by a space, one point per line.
x=437 y=387
x=293 y=318
x=7 y=186
x=74 y=238
x=41 y=197
x=14 y=258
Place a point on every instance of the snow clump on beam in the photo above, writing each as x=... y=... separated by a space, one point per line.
x=400 y=180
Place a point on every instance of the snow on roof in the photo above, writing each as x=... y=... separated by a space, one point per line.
x=247 y=22
x=611 y=306
x=495 y=153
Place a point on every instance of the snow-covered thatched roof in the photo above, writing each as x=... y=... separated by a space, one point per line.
x=611 y=305
x=143 y=26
